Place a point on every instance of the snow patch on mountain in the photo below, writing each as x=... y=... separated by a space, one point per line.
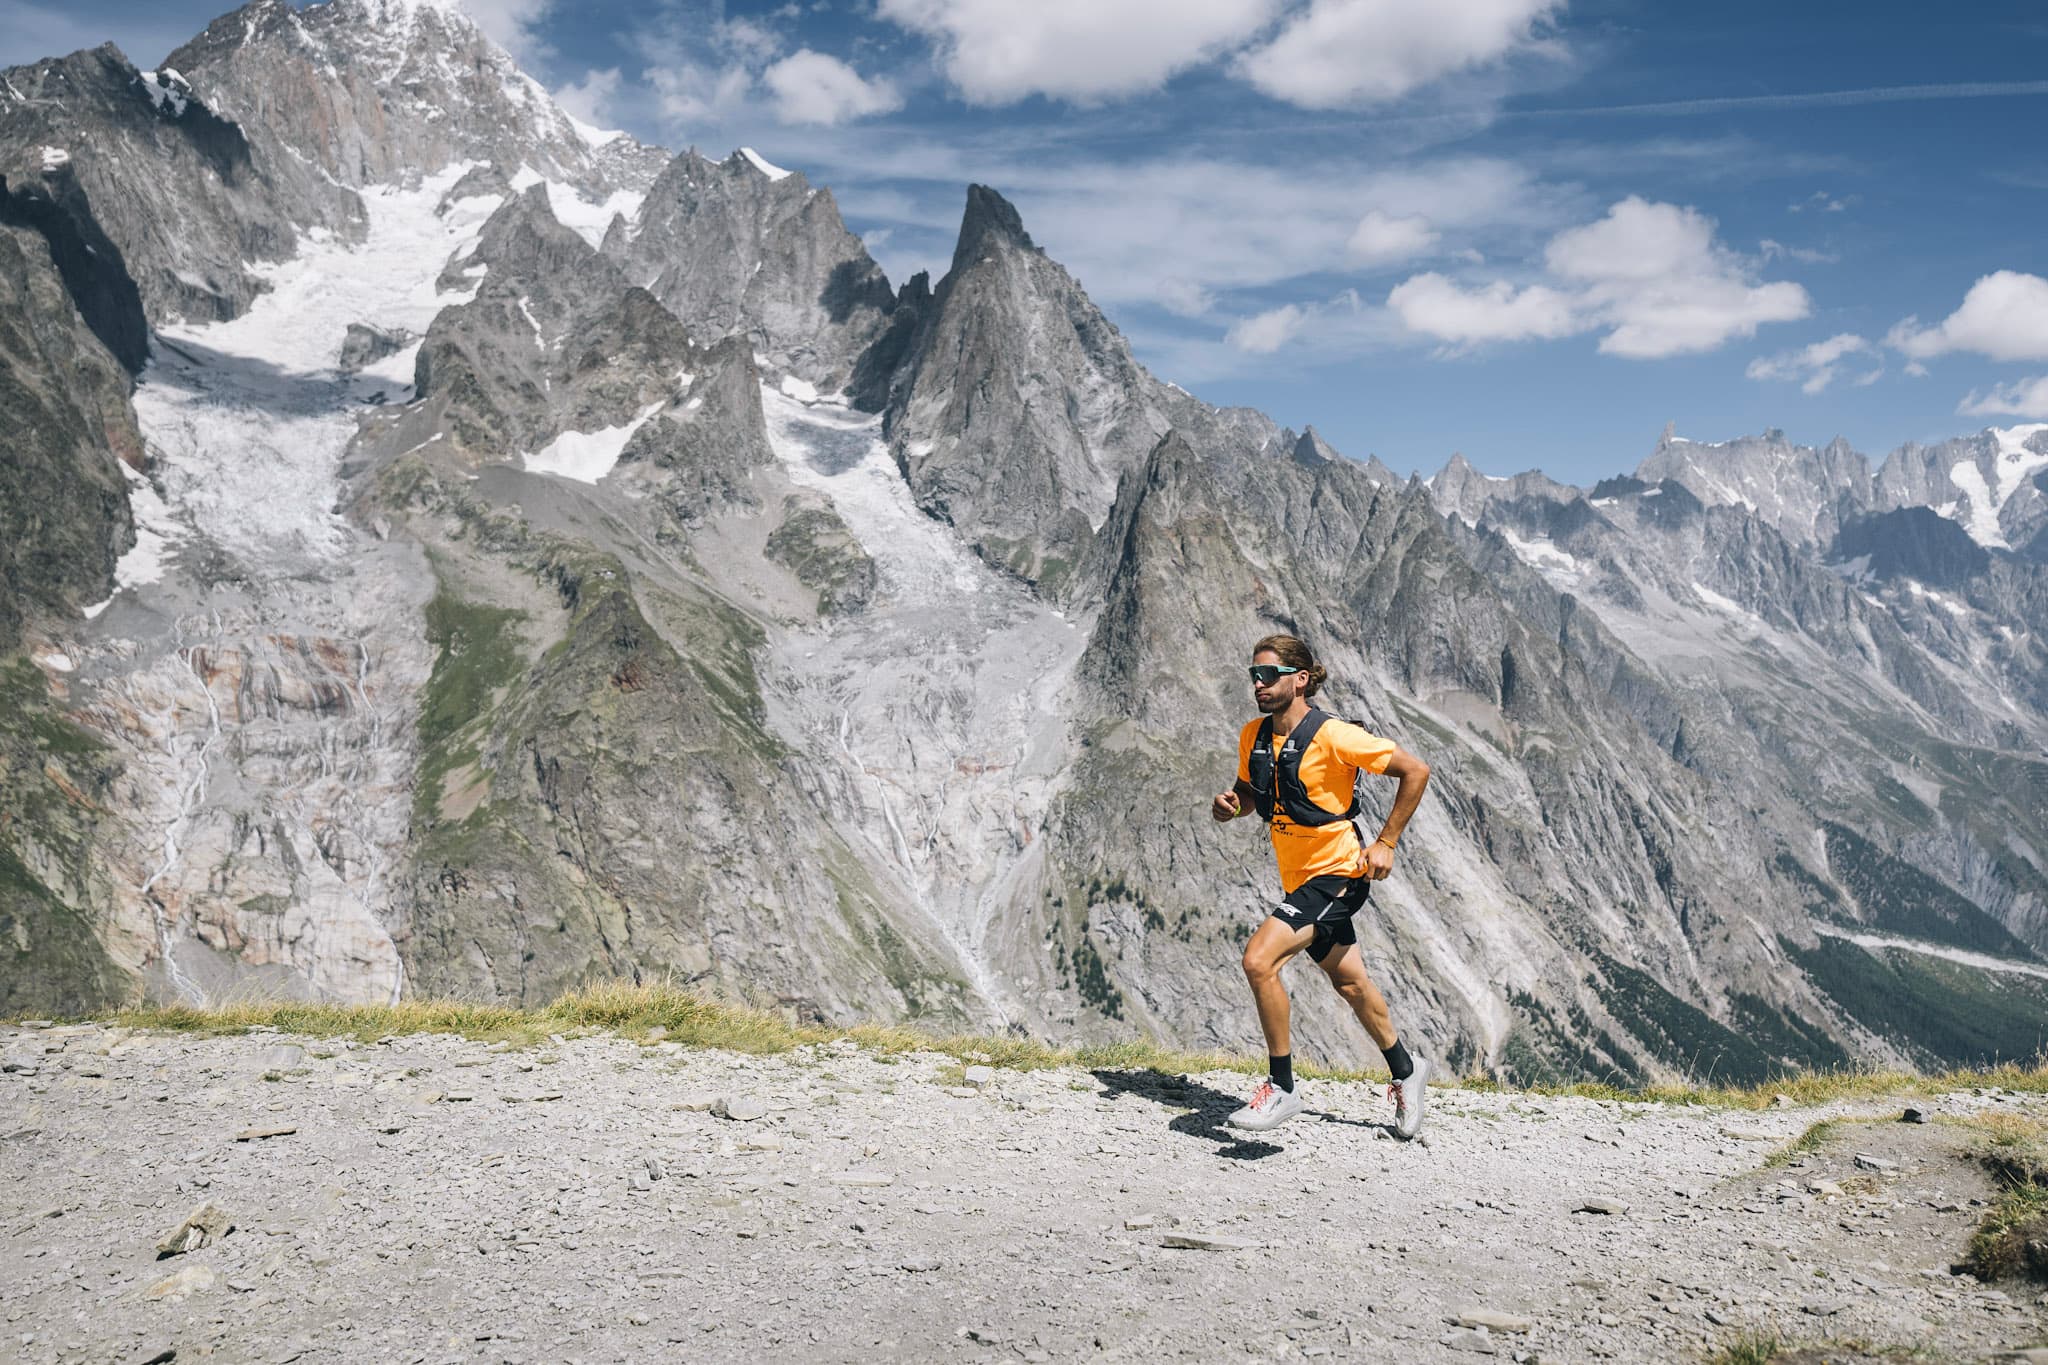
x=586 y=218
x=2011 y=466
x=763 y=165
x=957 y=760
x=166 y=90
x=247 y=420
x=1541 y=553
x=156 y=533
x=594 y=137
x=1718 y=602
x=587 y=456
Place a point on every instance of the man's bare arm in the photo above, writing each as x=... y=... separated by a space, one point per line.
x=1414 y=776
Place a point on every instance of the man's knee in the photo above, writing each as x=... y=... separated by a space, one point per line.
x=1259 y=964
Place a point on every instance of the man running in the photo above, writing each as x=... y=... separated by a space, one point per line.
x=1298 y=768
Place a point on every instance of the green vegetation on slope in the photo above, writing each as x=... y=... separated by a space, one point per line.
x=51 y=960
x=1679 y=1034
x=1933 y=1009
x=478 y=651
x=1898 y=898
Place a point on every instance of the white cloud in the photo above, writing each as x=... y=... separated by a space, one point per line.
x=1816 y=366
x=1178 y=231
x=1652 y=274
x=1183 y=298
x=1655 y=275
x=1440 y=307
x=1382 y=239
x=1000 y=51
x=1775 y=251
x=512 y=24
x=2004 y=316
x=691 y=94
x=810 y=87
x=2021 y=398
x=1820 y=201
x=1268 y=331
x=1343 y=53
x=590 y=99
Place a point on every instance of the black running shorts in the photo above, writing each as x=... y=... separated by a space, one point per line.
x=1326 y=905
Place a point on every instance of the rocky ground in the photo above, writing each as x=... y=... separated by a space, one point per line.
x=428 y=1198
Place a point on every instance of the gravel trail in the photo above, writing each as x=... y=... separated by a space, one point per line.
x=434 y=1199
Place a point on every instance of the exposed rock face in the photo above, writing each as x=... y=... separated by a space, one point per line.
x=553 y=341
x=824 y=555
x=378 y=92
x=1801 y=491
x=1989 y=483
x=214 y=203
x=64 y=516
x=730 y=246
x=364 y=345
x=1019 y=406
x=1916 y=543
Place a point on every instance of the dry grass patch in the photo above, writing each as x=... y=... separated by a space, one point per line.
x=636 y=1011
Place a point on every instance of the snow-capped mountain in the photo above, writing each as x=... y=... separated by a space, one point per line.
x=461 y=552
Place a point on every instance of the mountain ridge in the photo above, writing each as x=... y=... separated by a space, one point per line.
x=699 y=605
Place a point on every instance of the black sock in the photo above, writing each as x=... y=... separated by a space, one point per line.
x=1398 y=1062
x=1281 y=1069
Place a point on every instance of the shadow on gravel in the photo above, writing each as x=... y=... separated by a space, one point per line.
x=1209 y=1107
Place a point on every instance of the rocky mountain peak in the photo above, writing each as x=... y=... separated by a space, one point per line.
x=741 y=244
x=1801 y=491
x=1311 y=448
x=990 y=221
x=385 y=91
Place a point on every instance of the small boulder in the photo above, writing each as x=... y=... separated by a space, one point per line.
x=1612 y=1208
x=1495 y=1321
x=740 y=1108
x=202 y=1227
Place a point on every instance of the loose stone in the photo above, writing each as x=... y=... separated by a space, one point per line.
x=202 y=1227
x=1189 y=1241
x=1495 y=1320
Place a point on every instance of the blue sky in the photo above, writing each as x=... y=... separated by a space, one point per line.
x=1531 y=231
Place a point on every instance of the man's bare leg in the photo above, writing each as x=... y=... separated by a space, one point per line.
x=1274 y=1102
x=1270 y=949
x=1346 y=970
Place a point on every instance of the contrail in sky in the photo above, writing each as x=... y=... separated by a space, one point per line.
x=1888 y=94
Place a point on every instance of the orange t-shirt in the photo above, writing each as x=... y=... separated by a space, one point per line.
x=1329 y=771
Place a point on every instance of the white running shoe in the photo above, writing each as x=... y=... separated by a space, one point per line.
x=1408 y=1096
x=1269 y=1108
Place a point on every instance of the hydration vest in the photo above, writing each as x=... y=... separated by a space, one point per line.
x=1284 y=779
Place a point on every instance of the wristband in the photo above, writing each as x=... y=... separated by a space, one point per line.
x=1391 y=846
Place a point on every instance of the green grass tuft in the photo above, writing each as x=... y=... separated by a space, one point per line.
x=1748 y=1348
